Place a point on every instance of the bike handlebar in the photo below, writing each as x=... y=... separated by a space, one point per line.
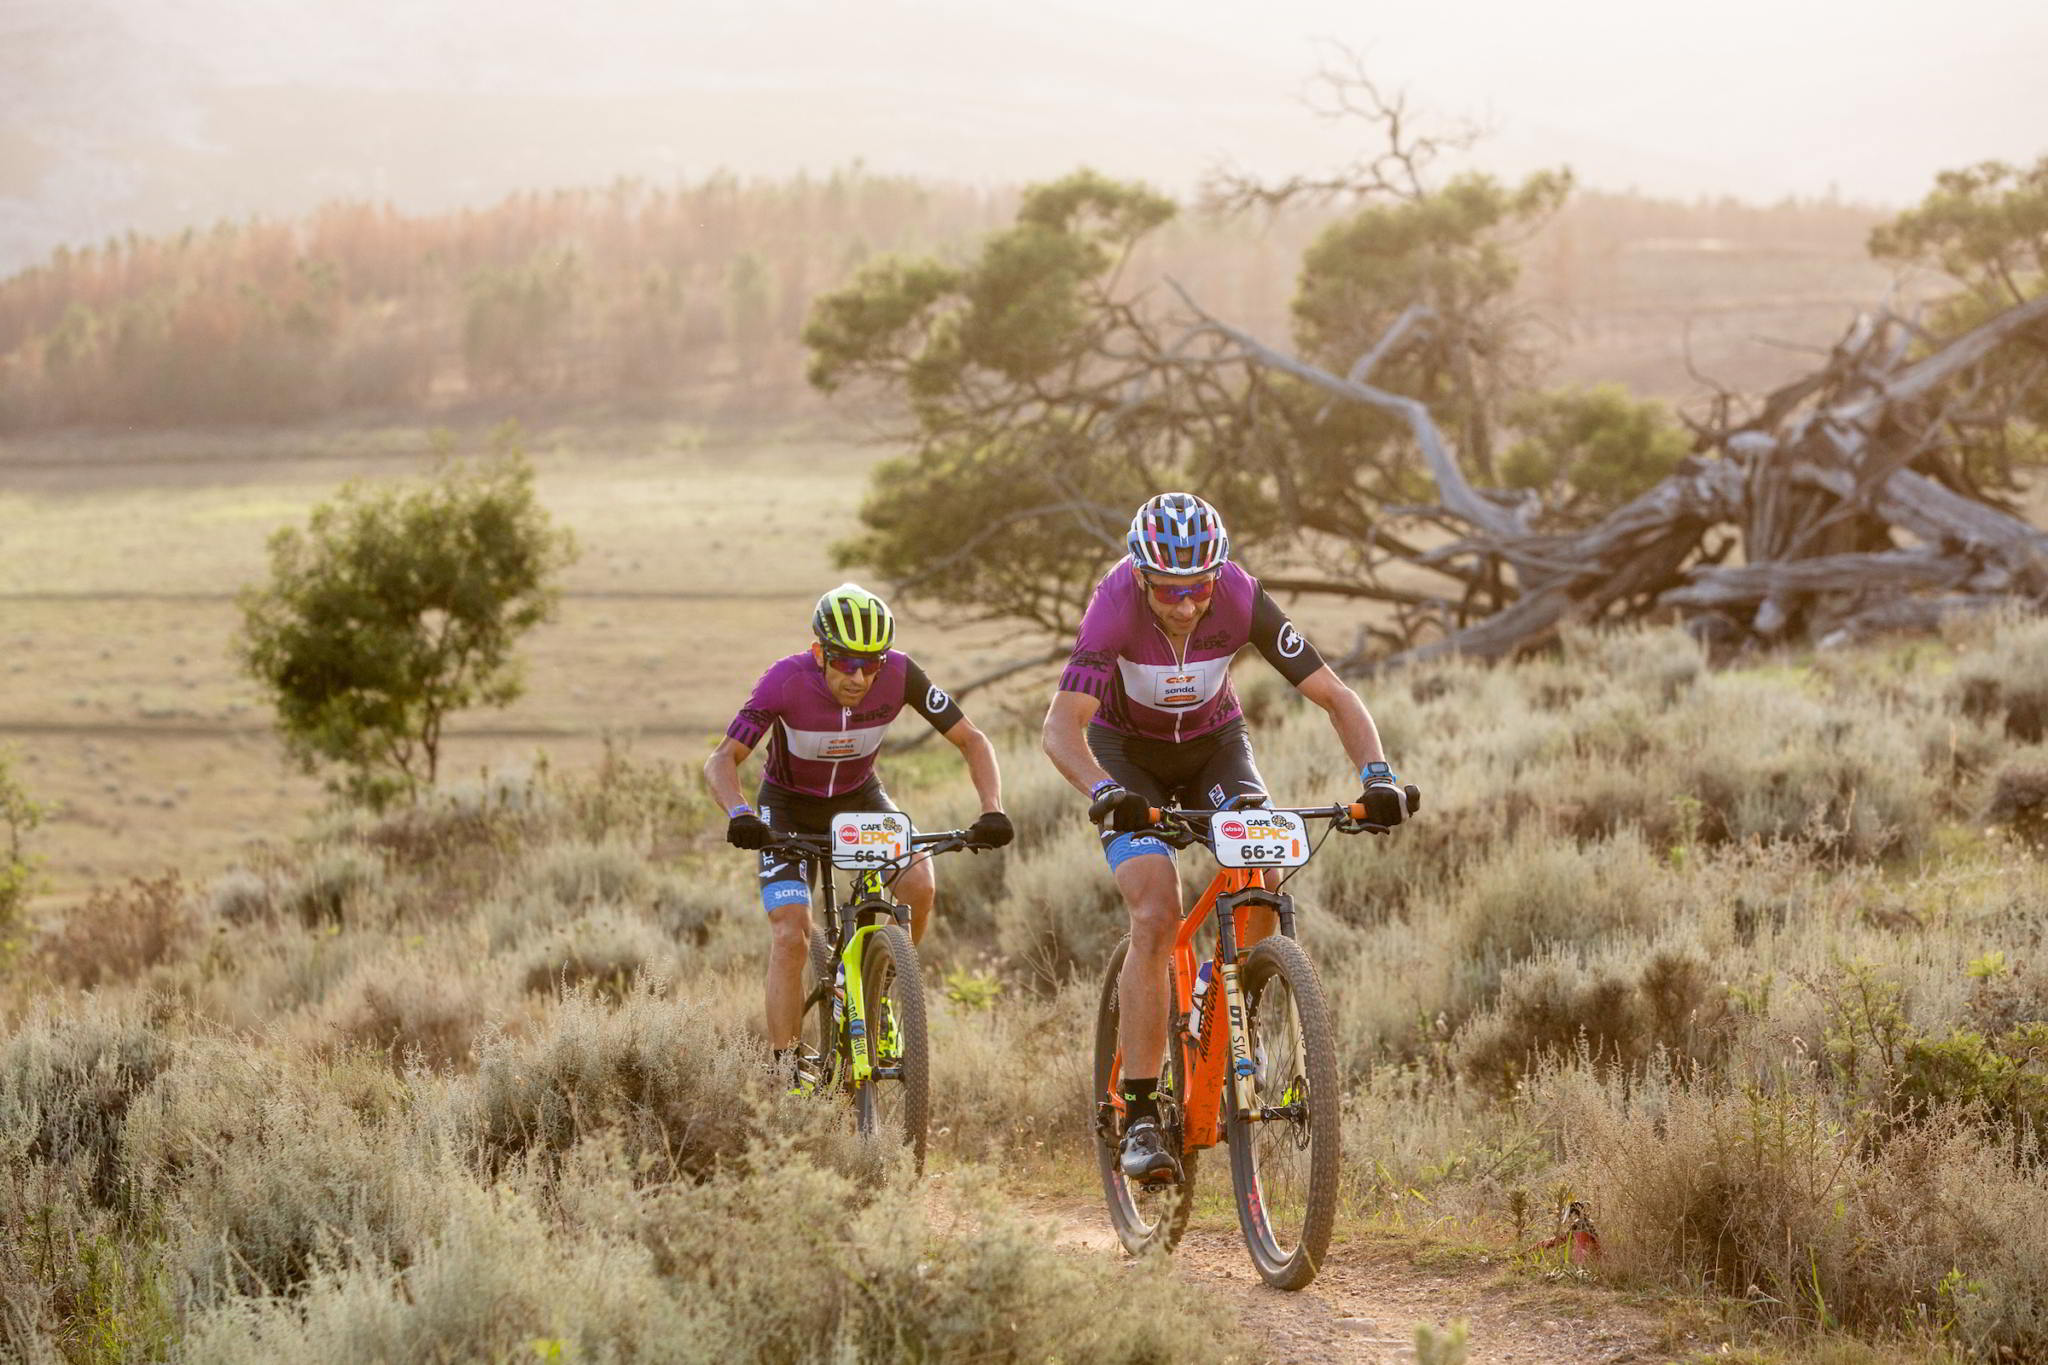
x=941 y=841
x=1182 y=821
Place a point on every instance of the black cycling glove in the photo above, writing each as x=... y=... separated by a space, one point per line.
x=1386 y=802
x=1126 y=811
x=748 y=830
x=992 y=829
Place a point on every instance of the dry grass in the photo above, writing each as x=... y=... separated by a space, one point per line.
x=1751 y=961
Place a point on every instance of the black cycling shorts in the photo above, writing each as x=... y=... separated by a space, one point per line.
x=1209 y=772
x=786 y=879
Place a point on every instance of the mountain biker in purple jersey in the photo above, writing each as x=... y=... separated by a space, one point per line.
x=823 y=713
x=1146 y=716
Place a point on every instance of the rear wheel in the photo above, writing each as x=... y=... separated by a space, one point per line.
x=1147 y=1217
x=820 y=1038
x=893 y=1105
x=1283 y=1163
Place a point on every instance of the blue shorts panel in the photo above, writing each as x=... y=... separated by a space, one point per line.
x=775 y=895
x=1125 y=847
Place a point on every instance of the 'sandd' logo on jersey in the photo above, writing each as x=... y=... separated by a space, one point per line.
x=1290 y=643
x=840 y=746
x=1179 y=689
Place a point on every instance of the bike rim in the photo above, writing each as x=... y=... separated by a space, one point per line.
x=1281 y=1144
x=1148 y=1207
x=882 y=1099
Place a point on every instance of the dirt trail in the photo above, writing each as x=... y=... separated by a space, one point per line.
x=1364 y=1308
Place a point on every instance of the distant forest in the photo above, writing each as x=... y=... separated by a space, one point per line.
x=693 y=296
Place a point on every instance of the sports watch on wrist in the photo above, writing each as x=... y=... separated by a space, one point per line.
x=1377 y=772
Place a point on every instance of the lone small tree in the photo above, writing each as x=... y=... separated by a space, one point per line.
x=396 y=605
x=19 y=815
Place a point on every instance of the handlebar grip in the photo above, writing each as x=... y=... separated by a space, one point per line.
x=1355 y=811
x=1153 y=815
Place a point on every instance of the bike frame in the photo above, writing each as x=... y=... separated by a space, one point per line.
x=868 y=909
x=1211 y=1070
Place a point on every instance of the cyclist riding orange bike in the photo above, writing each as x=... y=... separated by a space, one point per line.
x=823 y=712
x=1145 y=717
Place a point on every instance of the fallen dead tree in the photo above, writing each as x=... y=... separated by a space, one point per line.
x=1823 y=495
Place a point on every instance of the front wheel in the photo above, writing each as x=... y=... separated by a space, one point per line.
x=893 y=1104
x=1146 y=1217
x=1284 y=1154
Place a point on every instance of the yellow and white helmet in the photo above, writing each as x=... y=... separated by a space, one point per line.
x=852 y=620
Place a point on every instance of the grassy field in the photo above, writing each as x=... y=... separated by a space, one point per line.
x=120 y=558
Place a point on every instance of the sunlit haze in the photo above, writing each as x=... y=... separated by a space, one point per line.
x=152 y=115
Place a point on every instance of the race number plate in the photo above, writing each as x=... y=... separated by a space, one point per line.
x=868 y=840
x=1259 y=838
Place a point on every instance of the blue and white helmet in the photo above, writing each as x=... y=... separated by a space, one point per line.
x=1178 y=533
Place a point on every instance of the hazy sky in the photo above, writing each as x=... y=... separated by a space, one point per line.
x=116 y=111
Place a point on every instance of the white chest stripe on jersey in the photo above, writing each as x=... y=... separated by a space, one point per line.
x=827 y=746
x=1173 y=687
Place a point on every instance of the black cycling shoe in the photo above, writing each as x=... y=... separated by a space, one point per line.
x=1143 y=1155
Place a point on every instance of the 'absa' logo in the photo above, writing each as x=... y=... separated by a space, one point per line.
x=1233 y=829
x=848 y=834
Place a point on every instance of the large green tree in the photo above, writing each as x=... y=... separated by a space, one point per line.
x=1027 y=441
x=396 y=605
x=1050 y=386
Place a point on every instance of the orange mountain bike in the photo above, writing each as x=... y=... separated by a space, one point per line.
x=1251 y=1053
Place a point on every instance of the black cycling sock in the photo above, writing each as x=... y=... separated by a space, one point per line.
x=1141 y=1099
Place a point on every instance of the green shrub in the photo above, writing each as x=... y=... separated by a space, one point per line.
x=242 y=896
x=2007 y=683
x=2019 y=801
x=1695 y=1183
x=337 y=888
x=702 y=1272
x=579 y=874
x=19 y=816
x=604 y=951
x=1533 y=894
x=267 y=1172
x=2004 y=1080
x=395 y=606
x=409 y=1006
x=672 y=1083
x=1555 y=1007
x=66 y=1083
x=120 y=933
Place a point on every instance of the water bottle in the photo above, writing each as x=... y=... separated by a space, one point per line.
x=1203 y=976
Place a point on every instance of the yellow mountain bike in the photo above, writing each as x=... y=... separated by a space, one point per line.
x=863 y=1035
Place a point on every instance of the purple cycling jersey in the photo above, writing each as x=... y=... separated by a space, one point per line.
x=1153 y=688
x=818 y=747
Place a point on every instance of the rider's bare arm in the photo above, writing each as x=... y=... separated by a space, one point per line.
x=974 y=746
x=722 y=772
x=1065 y=740
x=1348 y=716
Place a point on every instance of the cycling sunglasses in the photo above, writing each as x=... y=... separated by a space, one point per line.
x=869 y=664
x=1169 y=594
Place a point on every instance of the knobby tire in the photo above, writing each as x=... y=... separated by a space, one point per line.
x=1146 y=1217
x=1284 y=1170
x=895 y=1110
